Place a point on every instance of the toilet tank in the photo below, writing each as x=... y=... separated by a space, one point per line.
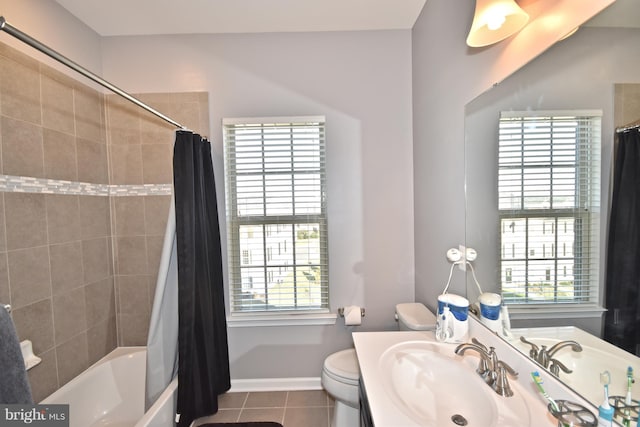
x=414 y=316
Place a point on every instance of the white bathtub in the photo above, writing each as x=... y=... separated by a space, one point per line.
x=111 y=394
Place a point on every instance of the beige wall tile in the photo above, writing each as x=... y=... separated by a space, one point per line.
x=133 y=294
x=100 y=301
x=95 y=260
x=25 y=216
x=59 y=155
x=69 y=315
x=186 y=112
x=101 y=339
x=3 y=237
x=126 y=164
x=131 y=255
x=157 y=163
x=123 y=121
x=66 y=267
x=154 y=253
x=156 y=213
x=22 y=152
x=44 y=377
x=57 y=101
x=20 y=87
x=130 y=220
x=92 y=161
x=94 y=217
x=72 y=357
x=5 y=292
x=63 y=218
x=89 y=114
x=29 y=275
x=35 y=322
x=154 y=130
x=134 y=329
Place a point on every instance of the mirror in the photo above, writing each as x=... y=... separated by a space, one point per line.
x=578 y=73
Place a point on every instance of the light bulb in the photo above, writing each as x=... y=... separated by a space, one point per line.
x=494 y=22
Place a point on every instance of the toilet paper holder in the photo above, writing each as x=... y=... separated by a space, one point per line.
x=341 y=312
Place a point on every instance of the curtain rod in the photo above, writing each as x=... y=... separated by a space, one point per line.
x=628 y=127
x=8 y=28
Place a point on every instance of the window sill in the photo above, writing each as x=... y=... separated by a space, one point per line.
x=563 y=311
x=246 y=320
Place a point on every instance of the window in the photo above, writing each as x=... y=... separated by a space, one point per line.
x=548 y=198
x=276 y=214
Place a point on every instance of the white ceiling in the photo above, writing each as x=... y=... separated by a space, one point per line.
x=140 y=17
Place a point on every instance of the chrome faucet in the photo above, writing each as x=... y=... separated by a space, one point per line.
x=492 y=370
x=544 y=356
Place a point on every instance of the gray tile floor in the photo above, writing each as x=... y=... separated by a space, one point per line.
x=306 y=408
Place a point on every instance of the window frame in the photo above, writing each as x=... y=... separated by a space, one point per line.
x=266 y=316
x=590 y=215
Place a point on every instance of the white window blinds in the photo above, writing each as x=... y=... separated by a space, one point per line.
x=549 y=200
x=276 y=214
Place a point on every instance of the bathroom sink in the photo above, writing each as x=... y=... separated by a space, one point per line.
x=434 y=387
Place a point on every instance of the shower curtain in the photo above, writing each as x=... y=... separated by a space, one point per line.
x=203 y=356
x=622 y=320
x=162 y=341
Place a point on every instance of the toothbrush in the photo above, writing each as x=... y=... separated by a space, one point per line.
x=628 y=401
x=605 y=411
x=538 y=380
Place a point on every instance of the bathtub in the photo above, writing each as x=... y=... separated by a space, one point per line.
x=111 y=394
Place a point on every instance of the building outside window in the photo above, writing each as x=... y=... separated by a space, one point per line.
x=276 y=214
x=549 y=197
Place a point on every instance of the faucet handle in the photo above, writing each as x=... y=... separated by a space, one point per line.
x=533 y=353
x=555 y=367
x=507 y=368
x=501 y=384
x=479 y=344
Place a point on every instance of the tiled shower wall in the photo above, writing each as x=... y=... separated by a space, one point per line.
x=85 y=184
x=626 y=104
x=141 y=155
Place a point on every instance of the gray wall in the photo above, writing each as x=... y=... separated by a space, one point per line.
x=361 y=82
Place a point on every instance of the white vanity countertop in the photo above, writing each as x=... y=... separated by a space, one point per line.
x=371 y=345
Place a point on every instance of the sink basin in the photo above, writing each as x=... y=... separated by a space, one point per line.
x=434 y=387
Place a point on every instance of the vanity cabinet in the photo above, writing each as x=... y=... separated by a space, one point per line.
x=365 y=412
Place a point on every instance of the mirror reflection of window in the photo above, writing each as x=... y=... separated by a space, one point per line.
x=548 y=198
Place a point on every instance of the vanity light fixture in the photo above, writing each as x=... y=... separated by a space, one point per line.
x=495 y=20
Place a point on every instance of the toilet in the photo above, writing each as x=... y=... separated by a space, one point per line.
x=340 y=372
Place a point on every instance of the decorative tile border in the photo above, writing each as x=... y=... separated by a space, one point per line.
x=25 y=184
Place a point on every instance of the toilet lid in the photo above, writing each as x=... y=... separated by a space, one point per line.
x=344 y=364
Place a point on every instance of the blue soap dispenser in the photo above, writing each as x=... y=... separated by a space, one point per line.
x=605 y=411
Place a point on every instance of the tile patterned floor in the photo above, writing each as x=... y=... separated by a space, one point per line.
x=307 y=408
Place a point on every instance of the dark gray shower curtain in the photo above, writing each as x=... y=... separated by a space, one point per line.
x=203 y=355
x=622 y=320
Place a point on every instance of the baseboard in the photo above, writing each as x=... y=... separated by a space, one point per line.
x=276 y=384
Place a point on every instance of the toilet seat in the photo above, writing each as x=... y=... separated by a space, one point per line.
x=342 y=366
